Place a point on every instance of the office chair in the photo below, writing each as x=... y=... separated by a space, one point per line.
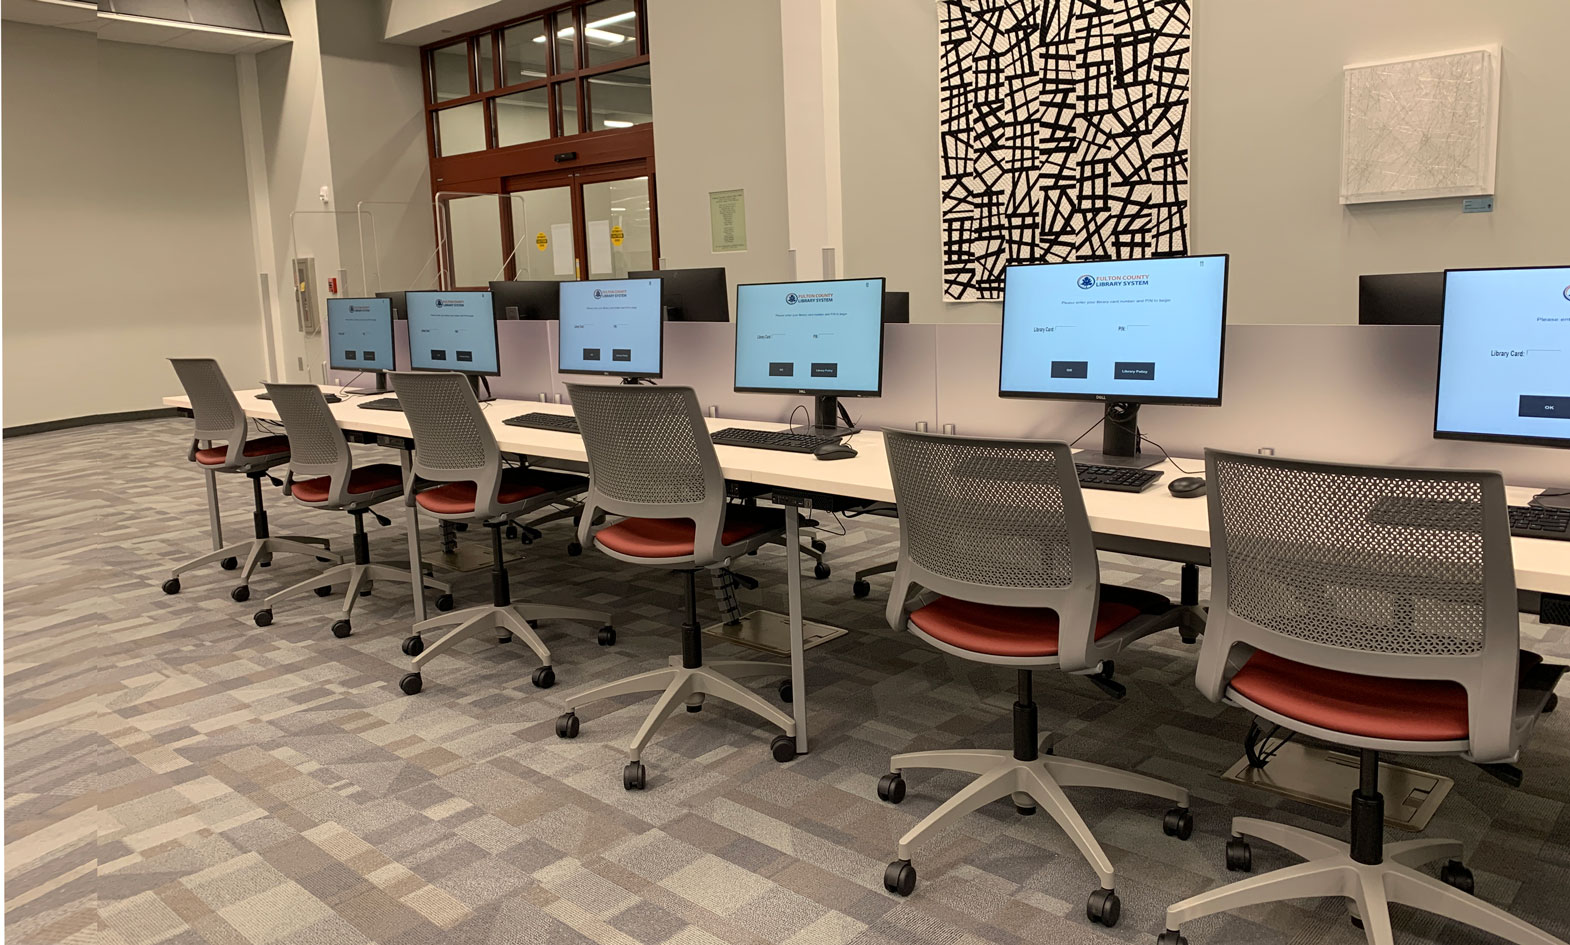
x=1375 y=608
x=860 y=587
x=322 y=475
x=993 y=533
x=218 y=417
x=651 y=460
x=464 y=479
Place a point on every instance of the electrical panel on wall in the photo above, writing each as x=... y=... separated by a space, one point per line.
x=307 y=298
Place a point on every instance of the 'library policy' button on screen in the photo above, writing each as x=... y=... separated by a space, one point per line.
x=1134 y=370
x=825 y=369
x=1070 y=368
x=1552 y=408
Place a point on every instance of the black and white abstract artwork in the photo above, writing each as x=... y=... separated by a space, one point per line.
x=1064 y=134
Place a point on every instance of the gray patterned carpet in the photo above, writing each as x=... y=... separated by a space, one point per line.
x=176 y=775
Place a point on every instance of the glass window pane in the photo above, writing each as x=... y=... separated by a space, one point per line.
x=450 y=72
x=566 y=49
x=616 y=217
x=544 y=213
x=620 y=99
x=523 y=116
x=523 y=47
x=610 y=30
x=475 y=235
x=461 y=129
x=567 y=108
x=484 y=50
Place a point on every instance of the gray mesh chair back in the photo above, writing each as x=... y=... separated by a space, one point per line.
x=316 y=444
x=650 y=456
x=452 y=441
x=1383 y=571
x=995 y=521
x=215 y=408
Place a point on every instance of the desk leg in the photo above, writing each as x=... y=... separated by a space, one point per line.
x=798 y=669
x=416 y=566
x=214 y=520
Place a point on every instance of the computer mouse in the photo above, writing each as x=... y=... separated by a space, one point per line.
x=331 y=398
x=835 y=451
x=1187 y=487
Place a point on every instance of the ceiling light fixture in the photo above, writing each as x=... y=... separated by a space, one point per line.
x=615 y=123
x=601 y=36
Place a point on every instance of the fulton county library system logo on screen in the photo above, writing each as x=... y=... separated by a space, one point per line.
x=1087 y=282
x=790 y=298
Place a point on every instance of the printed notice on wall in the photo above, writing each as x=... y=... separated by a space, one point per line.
x=728 y=220
x=600 y=247
x=564 y=259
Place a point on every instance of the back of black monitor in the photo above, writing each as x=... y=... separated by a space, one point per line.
x=400 y=305
x=533 y=300
x=691 y=295
x=896 y=308
x=1401 y=298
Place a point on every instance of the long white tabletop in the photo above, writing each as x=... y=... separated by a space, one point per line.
x=1152 y=516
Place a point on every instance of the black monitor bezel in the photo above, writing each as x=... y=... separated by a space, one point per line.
x=1221 y=372
x=497 y=307
x=659 y=317
x=495 y=335
x=813 y=391
x=682 y=279
x=392 y=337
x=1439 y=361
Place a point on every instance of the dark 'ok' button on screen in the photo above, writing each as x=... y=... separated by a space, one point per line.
x=1134 y=370
x=781 y=369
x=1070 y=368
x=1552 y=408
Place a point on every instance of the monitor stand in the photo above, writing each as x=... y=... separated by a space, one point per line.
x=1557 y=497
x=1119 y=440
x=475 y=380
x=379 y=385
x=827 y=412
x=638 y=380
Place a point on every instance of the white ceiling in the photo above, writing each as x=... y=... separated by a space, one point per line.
x=79 y=15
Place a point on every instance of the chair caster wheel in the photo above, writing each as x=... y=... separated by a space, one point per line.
x=821 y=571
x=1103 y=907
x=263 y=617
x=819 y=544
x=444 y=603
x=1454 y=874
x=694 y=708
x=318 y=558
x=460 y=526
x=413 y=646
x=1170 y=937
x=504 y=637
x=783 y=748
x=341 y=629
x=891 y=787
x=172 y=586
x=1025 y=811
x=1552 y=703
x=512 y=531
x=567 y=725
x=1357 y=923
x=1240 y=859
x=634 y=777
x=787 y=692
x=900 y=878
x=543 y=678
x=241 y=594
x=607 y=636
x=229 y=564
x=860 y=589
x=1178 y=823
x=410 y=683
x=574 y=549
x=326 y=591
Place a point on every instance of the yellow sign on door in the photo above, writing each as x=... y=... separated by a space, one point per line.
x=617 y=235
x=541 y=241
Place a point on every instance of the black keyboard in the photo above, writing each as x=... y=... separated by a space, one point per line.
x=330 y=398
x=1529 y=521
x=771 y=440
x=1116 y=478
x=561 y=423
x=382 y=403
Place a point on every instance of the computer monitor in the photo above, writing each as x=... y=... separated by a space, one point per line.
x=896 y=308
x=360 y=337
x=691 y=295
x=1401 y=298
x=611 y=327
x=400 y=304
x=1123 y=332
x=528 y=301
x=819 y=338
x=453 y=331
x=1502 y=358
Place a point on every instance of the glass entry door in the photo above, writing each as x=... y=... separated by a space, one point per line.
x=544 y=235
x=581 y=224
x=616 y=218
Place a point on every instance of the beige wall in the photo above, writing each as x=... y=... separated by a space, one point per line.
x=127 y=235
x=1266 y=149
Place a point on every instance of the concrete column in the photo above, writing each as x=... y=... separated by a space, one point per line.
x=810 y=40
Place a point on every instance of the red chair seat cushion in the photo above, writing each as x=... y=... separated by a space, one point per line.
x=517 y=484
x=373 y=478
x=674 y=537
x=261 y=446
x=1418 y=710
x=1006 y=631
